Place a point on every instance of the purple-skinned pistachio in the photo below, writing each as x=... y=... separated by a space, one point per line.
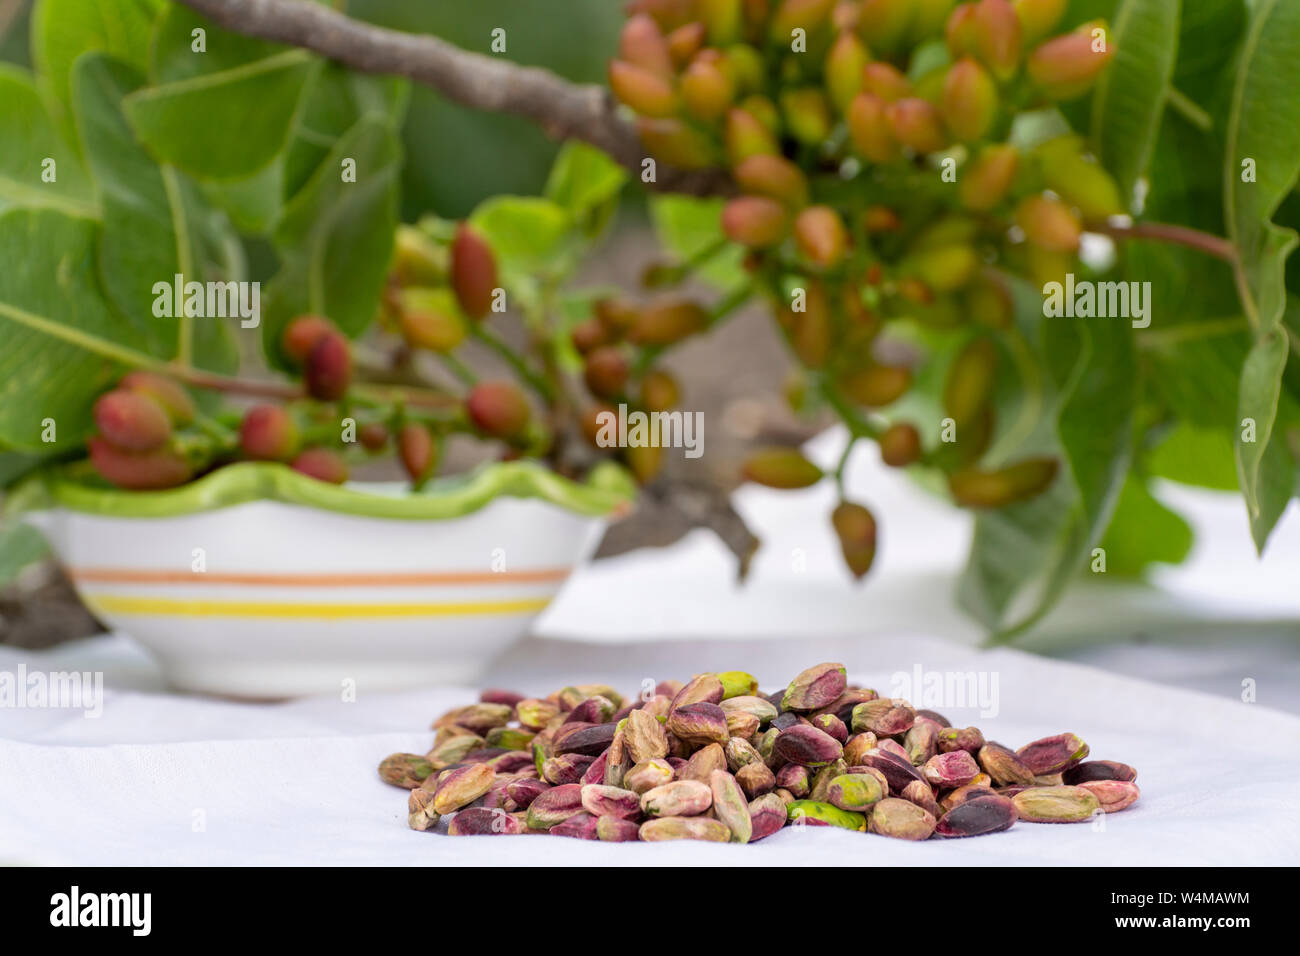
x=594 y=710
x=566 y=768
x=704 y=689
x=1003 y=766
x=681 y=798
x=699 y=723
x=1113 y=795
x=580 y=826
x=554 y=806
x=524 y=792
x=950 y=770
x=478 y=821
x=767 y=814
x=795 y=778
x=920 y=743
x=1056 y=804
x=855 y=791
x=405 y=770
x=602 y=801
x=806 y=745
x=857 y=745
x=730 y=805
x=702 y=763
x=461 y=786
x=977 y=816
x=755 y=779
x=830 y=724
x=1053 y=754
x=583 y=738
x=920 y=793
x=685 y=828
x=884 y=717
x=815 y=688
x=648 y=774
x=900 y=819
x=616 y=830
x=740 y=753
x=960 y=738
x=897 y=770
x=1099 y=770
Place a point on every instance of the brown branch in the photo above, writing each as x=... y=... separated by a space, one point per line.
x=1205 y=242
x=562 y=109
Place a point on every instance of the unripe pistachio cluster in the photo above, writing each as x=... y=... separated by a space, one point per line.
x=869 y=144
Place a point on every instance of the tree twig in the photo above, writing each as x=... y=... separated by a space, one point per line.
x=1205 y=242
x=562 y=109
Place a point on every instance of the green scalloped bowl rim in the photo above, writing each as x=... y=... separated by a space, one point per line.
x=607 y=490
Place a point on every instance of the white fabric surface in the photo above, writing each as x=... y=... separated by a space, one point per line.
x=296 y=783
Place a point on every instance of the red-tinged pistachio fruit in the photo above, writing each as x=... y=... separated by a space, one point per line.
x=580 y=826
x=922 y=794
x=821 y=236
x=921 y=741
x=642 y=43
x=806 y=745
x=645 y=92
x=420 y=814
x=997 y=34
x=781 y=468
x=1049 y=223
x=583 y=738
x=461 y=786
x=968 y=387
x=588 y=335
x=659 y=391
x=498 y=409
x=677 y=143
x=323 y=464
x=473 y=272
x=706 y=88
x=685 y=42
x=730 y=805
x=404 y=770
x=847 y=58
x=815 y=687
x=1113 y=795
x=667 y=322
x=969 y=739
x=855 y=527
x=948 y=770
x=1053 y=754
x=900 y=819
x=681 y=798
x=876 y=386
x=883 y=717
x=754 y=221
x=132 y=421
x=1059 y=804
x=645 y=775
x=602 y=801
x=898 y=770
x=773 y=177
x=978 y=816
x=328 y=369
x=883 y=23
x=138 y=470
x=554 y=806
x=1065 y=68
x=870 y=129
x=268 y=433
x=605 y=370
x=167 y=392
x=916 y=124
x=684 y=828
x=885 y=81
x=970 y=101
x=900 y=445
x=523 y=792
x=993 y=489
x=767 y=814
x=1004 y=767
x=987 y=180
x=431 y=319
x=481 y=821
x=856 y=791
x=616 y=830
x=1038 y=18
x=418 y=451
x=755 y=779
x=699 y=723
x=746 y=135
x=302 y=334
x=818 y=813
x=1099 y=770
x=373 y=436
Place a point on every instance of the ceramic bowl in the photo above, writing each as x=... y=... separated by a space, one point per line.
x=255 y=581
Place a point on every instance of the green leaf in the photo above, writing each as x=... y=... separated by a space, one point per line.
x=532 y=237
x=60 y=338
x=1023 y=556
x=688 y=227
x=21 y=546
x=1130 y=94
x=1208 y=36
x=1143 y=532
x=1267 y=475
x=586 y=182
x=30 y=138
x=62 y=30
x=335 y=238
x=153 y=228
x=1264 y=126
x=1193 y=455
x=197 y=115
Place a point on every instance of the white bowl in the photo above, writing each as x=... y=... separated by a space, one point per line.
x=258 y=582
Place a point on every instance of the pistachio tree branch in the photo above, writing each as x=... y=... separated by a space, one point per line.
x=562 y=109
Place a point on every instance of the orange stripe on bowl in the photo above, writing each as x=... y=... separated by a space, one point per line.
x=170 y=607
x=322 y=580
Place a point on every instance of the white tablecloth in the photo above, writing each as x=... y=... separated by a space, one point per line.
x=160 y=778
